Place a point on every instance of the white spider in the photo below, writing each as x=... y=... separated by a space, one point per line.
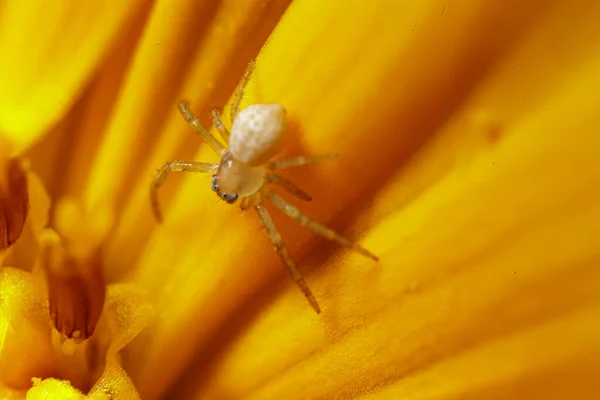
x=245 y=171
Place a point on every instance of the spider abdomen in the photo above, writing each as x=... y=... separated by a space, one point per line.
x=257 y=133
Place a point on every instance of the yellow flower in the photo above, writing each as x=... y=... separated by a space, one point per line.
x=468 y=144
x=28 y=350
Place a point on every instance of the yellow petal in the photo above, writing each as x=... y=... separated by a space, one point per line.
x=47 y=69
x=25 y=347
x=114 y=383
x=128 y=311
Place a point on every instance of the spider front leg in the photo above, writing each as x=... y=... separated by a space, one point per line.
x=239 y=92
x=215 y=114
x=314 y=226
x=280 y=248
x=174 y=166
x=197 y=126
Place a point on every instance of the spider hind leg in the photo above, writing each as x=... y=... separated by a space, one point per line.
x=300 y=161
x=282 y=251
x=288 y=186
x=314 y=226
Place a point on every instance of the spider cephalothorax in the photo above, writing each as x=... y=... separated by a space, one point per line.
x=235 y=179
x=245 y=171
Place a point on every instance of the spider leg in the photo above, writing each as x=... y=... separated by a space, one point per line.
x=191 y=119
x=314 y=226
x=165 y=170
x=215 y=114
x=239 y=92
x=289 y=186
x=299 y=161
x=280 y=248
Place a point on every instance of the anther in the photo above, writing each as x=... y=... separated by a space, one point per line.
x=14 y=202
x=76 y=288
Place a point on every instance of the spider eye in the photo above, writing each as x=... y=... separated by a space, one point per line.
x=229 y=198
x=215 y=185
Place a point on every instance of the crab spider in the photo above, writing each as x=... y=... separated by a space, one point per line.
x=246 y=171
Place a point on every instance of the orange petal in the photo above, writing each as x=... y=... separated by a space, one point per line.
x=8 y=394
x=141 y=111
x=488 y=285
x=341 y=100
x=235 y=30
x=445 y=251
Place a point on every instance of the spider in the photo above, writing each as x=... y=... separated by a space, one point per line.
x=245 y=171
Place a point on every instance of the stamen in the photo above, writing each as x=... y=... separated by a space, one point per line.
x=14 y=202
